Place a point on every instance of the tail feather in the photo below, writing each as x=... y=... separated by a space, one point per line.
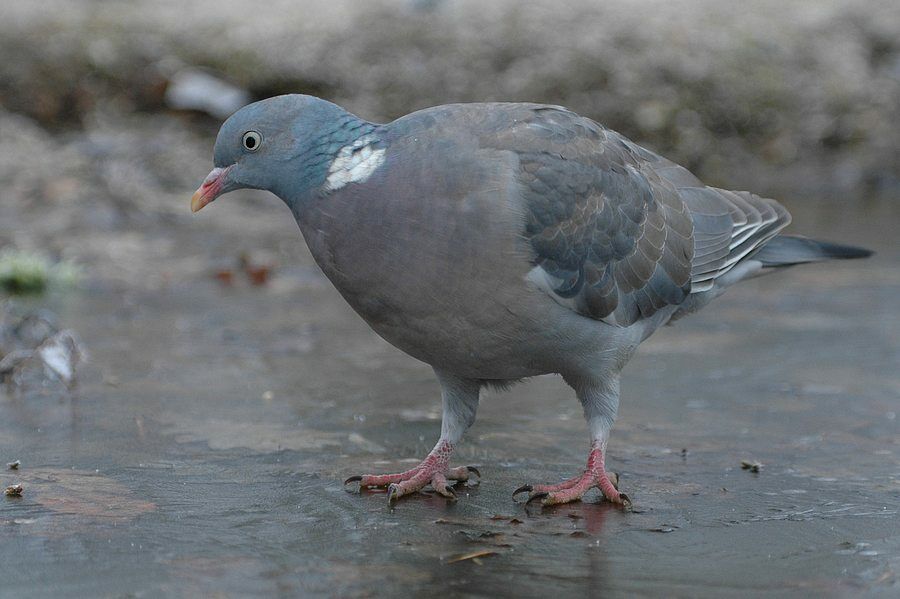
x=786 y=250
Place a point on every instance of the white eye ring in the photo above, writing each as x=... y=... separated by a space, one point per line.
x=251 y=141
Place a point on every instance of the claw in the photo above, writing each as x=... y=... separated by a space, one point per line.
x=474 y=470
x=393 y=493
x=522 y=489
x=352 y=479
x=448 y=492
x=534 y=496
x=626 y=501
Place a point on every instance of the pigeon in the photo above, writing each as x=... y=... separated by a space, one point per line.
x=501 y=241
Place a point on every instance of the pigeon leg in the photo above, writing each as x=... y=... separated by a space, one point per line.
x=432 y=470
x=600 y=400
x=594 y=475
x=460 y=400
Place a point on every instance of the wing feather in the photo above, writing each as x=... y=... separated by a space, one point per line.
x=618 y=232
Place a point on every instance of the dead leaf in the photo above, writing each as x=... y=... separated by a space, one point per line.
x=473 y=555
x=224 y=276
x=84 y=494
x=14 y=490
x=258 y=275
x=445 y=521
x=662 y=529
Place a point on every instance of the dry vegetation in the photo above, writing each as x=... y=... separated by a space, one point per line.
x=799 y=97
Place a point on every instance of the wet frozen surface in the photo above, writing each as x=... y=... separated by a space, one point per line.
x=204 y=447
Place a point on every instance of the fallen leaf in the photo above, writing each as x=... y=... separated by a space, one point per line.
x=445 y=521
x=662 y=529
x=258 y=275
x=224 y=276
x=473 y=555
x=751 y=466
x=84 y=494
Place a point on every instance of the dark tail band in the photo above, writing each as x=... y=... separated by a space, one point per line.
x=785 y=250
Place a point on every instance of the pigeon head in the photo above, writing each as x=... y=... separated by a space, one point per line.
x=283 y=144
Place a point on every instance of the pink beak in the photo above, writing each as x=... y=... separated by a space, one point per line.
x=210 y=189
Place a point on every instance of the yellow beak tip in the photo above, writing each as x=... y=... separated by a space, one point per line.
x=197 y=202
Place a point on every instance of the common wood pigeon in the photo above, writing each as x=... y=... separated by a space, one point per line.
x=502 y=241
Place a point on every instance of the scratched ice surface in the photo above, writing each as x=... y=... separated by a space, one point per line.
x=203 y=449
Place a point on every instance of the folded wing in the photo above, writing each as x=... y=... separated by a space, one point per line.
x=619 y=232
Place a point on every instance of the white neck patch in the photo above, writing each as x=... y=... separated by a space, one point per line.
x=354 y=163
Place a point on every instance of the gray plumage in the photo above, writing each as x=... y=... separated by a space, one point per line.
x=502 y=241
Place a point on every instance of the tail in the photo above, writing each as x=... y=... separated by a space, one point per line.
x=787 y=250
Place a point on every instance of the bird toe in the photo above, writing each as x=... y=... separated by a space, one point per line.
x=542 y=495
x=522 y=489
x=393 y=493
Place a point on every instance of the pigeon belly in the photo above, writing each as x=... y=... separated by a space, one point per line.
x=466 y=309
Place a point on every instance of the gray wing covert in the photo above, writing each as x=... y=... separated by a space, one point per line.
x=729 y=226
x=611 y=238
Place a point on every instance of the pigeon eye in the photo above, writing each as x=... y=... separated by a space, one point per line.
x=251 y=141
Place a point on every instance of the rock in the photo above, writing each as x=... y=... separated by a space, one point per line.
x=195 y=89
x=36 y=355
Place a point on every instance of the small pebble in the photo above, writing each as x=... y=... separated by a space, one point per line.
x=13 y=465
x=14 y=490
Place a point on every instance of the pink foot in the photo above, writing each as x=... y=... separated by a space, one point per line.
x=571 y=490
x=433 y=470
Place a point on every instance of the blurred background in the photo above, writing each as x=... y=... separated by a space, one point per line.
x=797 y=99
x=108 y=110
x=143 y=348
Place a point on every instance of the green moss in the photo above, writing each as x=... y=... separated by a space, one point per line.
x=25 y=273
